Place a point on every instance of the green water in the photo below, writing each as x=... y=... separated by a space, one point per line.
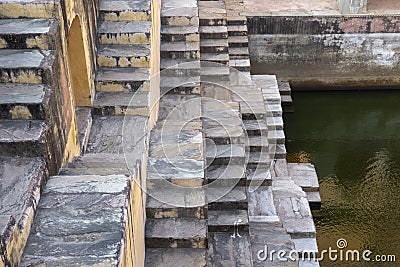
x=353 y=138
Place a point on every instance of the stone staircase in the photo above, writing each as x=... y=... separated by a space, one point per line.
x=98 y=218
x=31 y=135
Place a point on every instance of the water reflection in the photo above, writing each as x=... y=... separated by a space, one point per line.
x=353 y=139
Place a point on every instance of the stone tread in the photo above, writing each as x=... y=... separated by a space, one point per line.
x=131 y=100
x=215 y=57
x=304 y=175
x=224 y=220
x=165 y=29
x=214 y=42
x=259 y=158
x=191 y=231
x=238 y=40
x=231 y=171
x=27 y=26
x=20 y=93
x=14 y=131
x=125 y=6
x=170 y=257
x=257 y=141
x=179 y=46
x=72 y=222
x=124 y=27
x=25 y=58
x=237 y=28
x=239 y=51
x=124 y=50
x=226 y=151
x=233 y=196
x=255 y=125
x=179 y=63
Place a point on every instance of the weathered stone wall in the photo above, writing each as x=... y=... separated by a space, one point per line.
x=328 y=51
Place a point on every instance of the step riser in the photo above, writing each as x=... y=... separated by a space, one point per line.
x=280 y=141
x=213 y=49
x=19 y=10
x=219 y=35
x=28 y=41
x=227 y=228
x=223 y=62
x=180 y=55
x=115 y=86
x=239 y=44
x=23 y=112
x=182 y=90
x=225 y=161
x=180 y=21
x=35 y=76
x=123 y=62
x=237 y=22
x=237 y=33
x=199 y=213
x=261 y=165
x=125 y=38
x=192 y=37
x=228 y=206
x=259 y=148
x=124 y=16
x=215 y=78
x=120 y=111
x=249 y=116
x=213 y=22
x=176 y=243
x=227 y=140
x=24 y=149
x=228 y=182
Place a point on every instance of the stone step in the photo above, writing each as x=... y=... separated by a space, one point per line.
x=225 y=154
x=182 y=172
x=225 y=134
x=264 y=234
x=272 y=98
x=28 y=33
x=175 y=203
x=293 y=208
x=26 y=66
x=221 y=73
x=237 y=30
x=227 y=220
x=180 y=85
x=176 y=233
x=274 y=110
x=23 y=138
x=180 y=109
x=112 y=136
x=238 y=41
x=46 y=9
x=121 y=103
x=123 y=79
x=180 y=34
x=238 y=52
x=215 y=57
x=213 y=32
x=101 y=170
x=253 y=110
x=237 y=20
x=24 y=101
x=304 y=175
x=213 y=20
x=21 y=180
x=257 y=143
x=179 y=67
x=226 y=175
x=180 y=50
x=226 y=198
x=276 y=137
x=258 y=160
x=307 y=247
x=68 y=231
x=278 y=151
x=314 y=199
x=229 y=249
x=94 y=162
x=284 y=88
x=180 y=15
x=124 y=56
x=255 y=127
x=260 y=176
x=261 y=205
x=207 y=4
x=125 y=10
x=213 y=46
x=240 y=64
x=124 y=32
x=168 y=257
